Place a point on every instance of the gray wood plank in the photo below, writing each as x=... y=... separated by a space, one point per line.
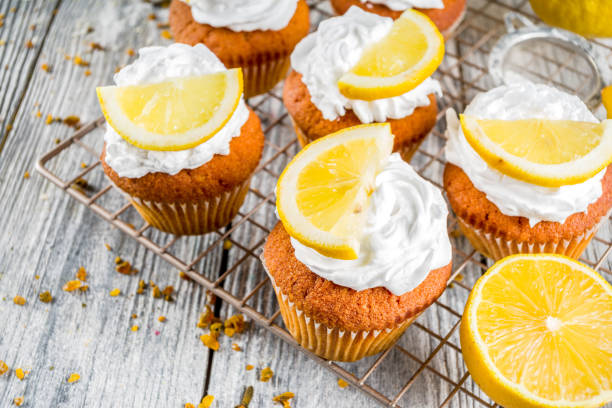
x=23 y=34
x=46 y=233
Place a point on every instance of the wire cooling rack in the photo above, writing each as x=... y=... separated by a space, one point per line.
x=428 y=356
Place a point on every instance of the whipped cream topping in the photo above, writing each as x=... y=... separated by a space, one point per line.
x=514 y=197
x=244 y=15
x=324 y=56
x=399 y=5
x=405 y=236
x=156 y=64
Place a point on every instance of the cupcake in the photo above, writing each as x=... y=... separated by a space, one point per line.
x=255 y=35
x=446 y=14
x=191 y=191
x=502 y=215
x=349 y=309
x=313 y=99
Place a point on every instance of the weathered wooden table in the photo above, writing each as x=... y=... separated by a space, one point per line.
x=46 y=235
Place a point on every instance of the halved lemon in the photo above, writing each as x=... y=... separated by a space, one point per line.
x=323 y=194
x=177 y=114
x=405 y=57
x=549 y=153
x=537 y=332
x=606 y=98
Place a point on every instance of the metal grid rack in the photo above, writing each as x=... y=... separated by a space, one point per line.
x=426 y=347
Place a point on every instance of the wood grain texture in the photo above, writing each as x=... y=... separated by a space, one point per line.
x=46 y=233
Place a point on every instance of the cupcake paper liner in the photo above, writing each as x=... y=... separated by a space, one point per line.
x=196 y=218
x=333 y=343
x=262 y=74
x=496 y=247
x=406 y=151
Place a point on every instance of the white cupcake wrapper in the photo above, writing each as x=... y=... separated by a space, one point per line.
x=329 y=342
x=496 y=247
x=193 y=218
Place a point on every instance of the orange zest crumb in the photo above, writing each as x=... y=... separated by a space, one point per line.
x=134 y=315
x=266 y=374
x=74 y=377
x=18 y=401
x=45 y=297
x=45 y=67
x=26 y=175
x=156 y=292
x=215 y=329
x=38 y=114
x=29 y=44
x=166 y=34
x=108 y=247
x=135 y=328
x=189 y=405
x=227 y=244
x=81 y=274
x=80 y=61
x=205 y=318
x=284 y=399
x=151 y=16
x=115 y=292
x=206 y=401
x=19 y=373
x=19 y=300
x=249 y=367
x=49 y=119
x=83 y=165
x=72 y=285
x=36 y=277
x=96 y=46
x=342 y=383
x=235 y=324
x=118 y=260
x=236 y=347
x=210 y=341
x=72 y=121
x=129 y=51
x=3 y=367
x=123 y=267
x=87 y=72
x=161 y=319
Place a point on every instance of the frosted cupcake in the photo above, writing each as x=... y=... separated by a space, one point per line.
x=315 y=103
x=347 y=309
x=446 y=14
x=255 y=35
x=502 y=215
x=191 y=191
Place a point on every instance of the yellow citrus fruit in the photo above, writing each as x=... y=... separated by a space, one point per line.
x=606 y=98
x=537 y=332
x=323 y=194
x=404 y=58
x=176 y=114
x=549 y=153
x=590 y=18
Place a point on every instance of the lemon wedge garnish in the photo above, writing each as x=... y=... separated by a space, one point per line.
x=536 y=332
x=177 y=114
x=549 y=153
x=322 y=196
x=404 y=58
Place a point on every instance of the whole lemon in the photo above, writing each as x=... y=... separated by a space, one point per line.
x=590 y=18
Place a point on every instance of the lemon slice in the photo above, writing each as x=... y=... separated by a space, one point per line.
x=323 y=194
x=404 y=58
x=176 y=114
x=537 y=331
x=549 y=153
x=606 y=98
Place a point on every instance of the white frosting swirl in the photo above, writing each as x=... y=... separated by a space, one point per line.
x=324 y=56
x=244 y=15
x=405 y=236
x=156 y=64
x=400 y=5
x=515 y=197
